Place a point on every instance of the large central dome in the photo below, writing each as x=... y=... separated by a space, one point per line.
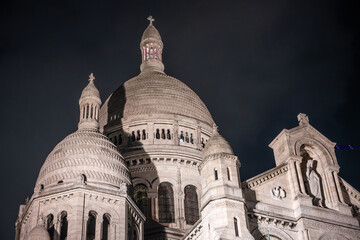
x=152 y=93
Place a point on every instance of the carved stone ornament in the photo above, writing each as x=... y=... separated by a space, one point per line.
x=278 y=193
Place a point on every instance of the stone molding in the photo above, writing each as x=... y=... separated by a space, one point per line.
x=272 y=221
x=219 y=155
x=260 y=179
x=195 y=231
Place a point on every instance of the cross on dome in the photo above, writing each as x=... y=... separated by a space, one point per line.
x=91 y=77
x=151 y=19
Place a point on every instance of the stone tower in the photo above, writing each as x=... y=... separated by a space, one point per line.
x=82 y=189
x=222 y=204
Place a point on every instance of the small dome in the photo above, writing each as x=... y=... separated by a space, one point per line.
x=151 y=32
x=217 y=144
x=85 y=155
x=90 y=91
x=39 y=232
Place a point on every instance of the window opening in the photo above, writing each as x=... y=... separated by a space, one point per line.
x=191 y=138
x=163 y=133
x=187 y=137
x=138 y=136
x=105 y=227
x=50 y=225
x=120 y=140
x=181 y=136
x=216 y=174
x=143 y=134
x=168 y=134
x=115 y=140
x=157 y=134
x=91 y=223
x=141 y=197
x=191 y=205
x=236 y=227
x=228 y=173
x=64 y=226
x=166 y=203
x=133 y=136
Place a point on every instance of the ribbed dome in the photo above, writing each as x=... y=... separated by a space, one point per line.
x=217 y=144
x=84 y=154
x=39 y=232
x=155 y=93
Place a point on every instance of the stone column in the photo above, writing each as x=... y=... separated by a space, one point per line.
x=98 y=227
x=294 y=176
x=299 y=176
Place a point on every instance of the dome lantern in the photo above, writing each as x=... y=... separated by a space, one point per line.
x=151 y=49
x=89 y=106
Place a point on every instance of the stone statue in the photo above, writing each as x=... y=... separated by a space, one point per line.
x=314 y=183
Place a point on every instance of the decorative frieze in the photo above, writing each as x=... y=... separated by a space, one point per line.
x=259 y=180
x=271 y=220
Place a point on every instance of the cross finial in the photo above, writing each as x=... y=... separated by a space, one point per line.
x=150 y=18
x=91 y=77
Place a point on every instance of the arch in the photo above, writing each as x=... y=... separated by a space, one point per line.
x=50 y=225
x=166 y=203
x=261 y=232
x=63 y=225
x=105 y=227
x=91 y=225
x=236 y=227
x=228 y=173
x=191 y=205
x=332 y=236
x=317 y=147
x=141 y=197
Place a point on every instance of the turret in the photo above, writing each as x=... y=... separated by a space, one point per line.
x=151 y=49
x=222 y=203
x=89 y=106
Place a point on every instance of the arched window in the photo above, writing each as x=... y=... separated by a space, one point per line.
x=191 y=205
x=191 y=138
x=216 y=174
x=168 y=134
x=163 y=133
x=157 y=135
x=91 y=224
x=120 y=140
x=166 y=203
x=115 y=140
x=138 y=136
x=143 y=134
x=181 y=136
x=63 y=226
x=132 y=136
x=50 y=225
x=105 y=227
x=236 y=227
x=187 y=137
x=228 y=173
x=141 y=197
x=87 y=111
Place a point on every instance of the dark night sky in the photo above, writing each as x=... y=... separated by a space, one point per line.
x=255 y=64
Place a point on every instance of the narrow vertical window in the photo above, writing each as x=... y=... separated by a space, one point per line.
x=191 y=205
x=191 y=138
x=87 y=111
x=168 y=134
x=120 y=139
x=64 y=226
x=91 y=224
x=141 y=197
x=143 y=134
x=105 y=227
x=50 y=225
x=163 y=133
x=166 y=203
x=138 y=136
x=115 y=140
x=92 y=112
x=187 y=137
x=133 y=136
x=236 y=227
x=228 y=174
x=181 y=136
x=216 y=174
x=202 y=142
x=157 y=134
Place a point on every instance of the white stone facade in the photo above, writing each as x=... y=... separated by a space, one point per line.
x=150 y=164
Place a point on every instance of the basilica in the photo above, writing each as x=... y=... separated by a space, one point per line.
x=150 y=163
